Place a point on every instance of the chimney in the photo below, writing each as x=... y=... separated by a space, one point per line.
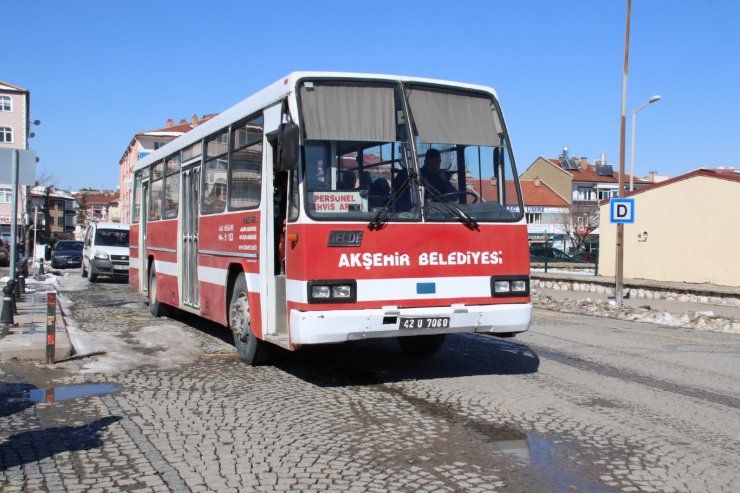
x=169 y=123
x=195 y=121
x=583 y=163
x=183 y=121
x=536 y=181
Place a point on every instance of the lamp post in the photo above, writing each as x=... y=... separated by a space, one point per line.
x=652 y=100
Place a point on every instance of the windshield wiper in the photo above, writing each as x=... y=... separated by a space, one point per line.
x=466 y=219
x=382 y=215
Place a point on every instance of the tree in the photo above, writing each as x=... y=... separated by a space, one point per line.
x=82 y=209
x=579 y=222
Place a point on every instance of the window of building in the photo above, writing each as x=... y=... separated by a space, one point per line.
x=534 y=218
x=60 y=221
x=6 y=103
x=6 y=135
x=6 y=195
x=606 y=193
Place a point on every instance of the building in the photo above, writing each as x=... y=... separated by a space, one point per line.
x=101 y=205
x=14 y=124
x=142 y=144
x=582 y=185
x=56 y=213
x=546 y=213
x=686 y=229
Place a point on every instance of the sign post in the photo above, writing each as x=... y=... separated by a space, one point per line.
x=621 y=212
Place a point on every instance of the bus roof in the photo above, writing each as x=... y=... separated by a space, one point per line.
x=272 y=94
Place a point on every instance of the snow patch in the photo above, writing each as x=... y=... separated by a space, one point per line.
x=164 y=347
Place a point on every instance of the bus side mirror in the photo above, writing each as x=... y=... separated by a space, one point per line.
x=288 y=146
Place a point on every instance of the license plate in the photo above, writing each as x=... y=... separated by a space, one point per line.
x=120 y=267
x=425 y=323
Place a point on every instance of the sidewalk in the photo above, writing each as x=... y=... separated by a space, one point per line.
x=27 y=339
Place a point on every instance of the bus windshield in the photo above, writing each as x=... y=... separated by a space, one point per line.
x=359 y=163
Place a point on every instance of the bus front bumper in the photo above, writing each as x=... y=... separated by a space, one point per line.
x=321 y=327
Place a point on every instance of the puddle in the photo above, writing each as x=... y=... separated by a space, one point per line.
x=67 y=392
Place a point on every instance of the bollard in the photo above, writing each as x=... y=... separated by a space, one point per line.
x=24 y=267
x=22 y=283
x=6 y=317
x=17 y=287
x=13 y=299
x=51 y=326
x=41 y=265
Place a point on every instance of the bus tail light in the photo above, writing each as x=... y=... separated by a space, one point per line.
x=509 y=286
x=332 y=291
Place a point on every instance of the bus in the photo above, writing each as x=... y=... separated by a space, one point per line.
x=331 y=207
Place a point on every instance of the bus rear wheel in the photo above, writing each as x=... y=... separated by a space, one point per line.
x=421 y=345
x=155 y=307
x=251 y=350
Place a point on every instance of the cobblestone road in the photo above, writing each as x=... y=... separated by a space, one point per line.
x=576 y=404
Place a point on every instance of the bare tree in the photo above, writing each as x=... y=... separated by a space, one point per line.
x=82 y=209
x=579 y=222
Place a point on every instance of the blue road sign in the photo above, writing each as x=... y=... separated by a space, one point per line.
x=622 y=211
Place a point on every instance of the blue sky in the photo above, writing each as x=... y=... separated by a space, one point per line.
x=100 y=71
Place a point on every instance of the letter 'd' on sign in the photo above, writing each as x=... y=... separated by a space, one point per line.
x=622 y=211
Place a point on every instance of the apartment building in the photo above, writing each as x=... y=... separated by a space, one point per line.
x=14 y=123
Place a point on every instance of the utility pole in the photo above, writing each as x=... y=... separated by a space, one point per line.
x=620 y=227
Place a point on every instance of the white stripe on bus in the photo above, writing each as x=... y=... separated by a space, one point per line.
x=404 y=288
x=167 y=268
x=133 y=262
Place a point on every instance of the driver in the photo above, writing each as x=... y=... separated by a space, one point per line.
x=434 y=178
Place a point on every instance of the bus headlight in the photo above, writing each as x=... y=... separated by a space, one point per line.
x=320 y=292
x=332 y=291
x=342 y=291
x=509 y=286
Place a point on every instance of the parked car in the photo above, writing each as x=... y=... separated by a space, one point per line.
x=4 y=255
x=105 y=251
x=66 y=253
x=540 y=253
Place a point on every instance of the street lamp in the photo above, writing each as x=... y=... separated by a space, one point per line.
x=652 y=100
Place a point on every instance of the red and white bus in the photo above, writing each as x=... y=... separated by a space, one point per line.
x=330 y=207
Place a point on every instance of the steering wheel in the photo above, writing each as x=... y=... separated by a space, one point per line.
x=457 y=194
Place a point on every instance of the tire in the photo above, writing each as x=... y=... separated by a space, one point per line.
x=156 y=308
x=251 y=350
x=91 y=275
x=421 y=345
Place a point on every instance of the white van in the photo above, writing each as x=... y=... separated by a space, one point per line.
x=106 y=251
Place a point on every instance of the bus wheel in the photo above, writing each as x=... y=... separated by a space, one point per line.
x=252 y=350
x=155 y=307
x=421 y=345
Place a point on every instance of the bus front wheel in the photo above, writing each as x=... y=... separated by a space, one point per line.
x=251 y=350
x=421 y=345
